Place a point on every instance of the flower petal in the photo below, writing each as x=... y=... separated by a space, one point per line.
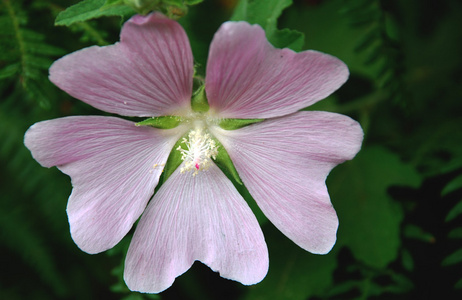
x=149 y=73
x=111 y=164
x=200 y=217
x=284 y=164
x=248 y=78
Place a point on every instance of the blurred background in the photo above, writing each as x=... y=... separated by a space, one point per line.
x=399 y=201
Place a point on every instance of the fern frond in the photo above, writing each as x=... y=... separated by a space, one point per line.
x=26 y=56
x=21 y=237
x=89 y=33
x=28 y=199
x=367 y=282
x=454 y=188
x=380 y=45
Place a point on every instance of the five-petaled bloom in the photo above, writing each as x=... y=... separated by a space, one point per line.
x=197 y=214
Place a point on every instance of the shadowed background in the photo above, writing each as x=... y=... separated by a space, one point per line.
x=399 y=201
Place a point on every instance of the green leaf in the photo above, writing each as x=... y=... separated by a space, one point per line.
x=171 y=8
x=265 y=13
x=454 y=212
x=10 y=70
x=262 y=12
x=452 y=186
x=192 y=2
x=232 y=124
x=287 y=38
x=164 y=122
x=294 y=273
x=407 y=260
x=452 y=259
x=458 y=284
x=415 y=232
x=368 y=40
x=369 y=219
x=343 y=287
x=456 y=233
x=90 y=9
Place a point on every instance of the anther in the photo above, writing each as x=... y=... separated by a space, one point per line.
x=200 y=148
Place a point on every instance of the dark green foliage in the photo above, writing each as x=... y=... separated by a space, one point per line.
x=298 y=275
x=266 y=14
x=355 y=280
x=90 y=9
x=399 y=201
x=380 y=44
x=433 y=243
x=453 y=190
x=25 y=55
x=358 y=184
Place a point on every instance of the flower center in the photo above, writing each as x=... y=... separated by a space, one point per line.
x=200 y=149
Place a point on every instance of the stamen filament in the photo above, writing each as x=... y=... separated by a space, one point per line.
x=200 y=148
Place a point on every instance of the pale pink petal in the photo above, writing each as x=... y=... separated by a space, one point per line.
x=113 y=169
x=149 y=73
x=248 y=78
x=192 y=218
x=284 y=163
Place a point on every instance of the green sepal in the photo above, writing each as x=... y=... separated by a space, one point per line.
x=199 y=101
x=173 y=161
x=164 y=122
x=232 y=124
x=143 y=7
x=224 y=162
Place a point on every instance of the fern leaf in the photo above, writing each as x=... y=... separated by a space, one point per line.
x=455 y=212
x=380 y=43
x=9 y=70
x=458 y=284
x=452 y=186
x=453 y=258
x=25 y=54
x=456 y=233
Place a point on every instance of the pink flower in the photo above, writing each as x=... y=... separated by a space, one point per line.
x=197 y=214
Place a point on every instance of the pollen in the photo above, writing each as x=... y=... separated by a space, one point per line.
x=154 y=166
x=201 y=148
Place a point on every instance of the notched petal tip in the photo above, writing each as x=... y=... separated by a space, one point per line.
x=150 y=18
x=236 y=27
x=249 y=78
x=37 y=139
x=287 y=176
x=149 y=73
x=206 y=220
x=112 y=164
